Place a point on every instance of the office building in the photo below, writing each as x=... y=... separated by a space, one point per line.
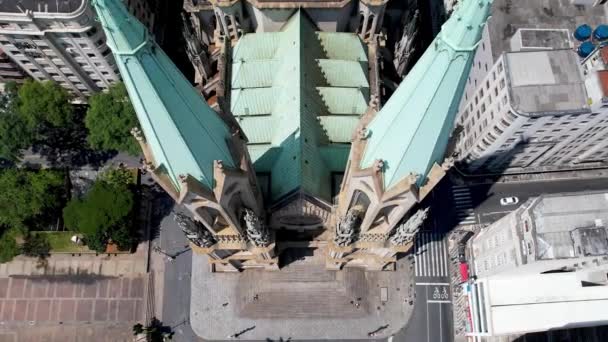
x=542 y=267
x=562 y=230
x=534 y=299
x=527 y=104
x=62 y=41
x=9 y=71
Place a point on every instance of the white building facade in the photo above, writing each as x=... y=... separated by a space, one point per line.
x=59 y=41
x=516 y=303
x=527 y=104
x=518 y=260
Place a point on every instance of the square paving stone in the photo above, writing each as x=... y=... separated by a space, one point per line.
x=103 y=288
x=137 y=288
x=31 y=309
x=125 y=288
x=90 y=290
x=101 y=310
x=43 y=312
x=126 y=310
x=84 y=310
x=67 y=310
x=115 y=288
x=40 y=289
x=4 y=287
x=112 y=312
x=7 y=310
x=65 y=290
x=16 y=288
x=20 y=310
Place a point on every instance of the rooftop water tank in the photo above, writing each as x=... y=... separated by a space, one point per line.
x=601 y=32
x=585 y=49
x=583 y=32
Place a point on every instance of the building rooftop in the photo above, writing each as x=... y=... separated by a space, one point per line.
x=508 y=16
x=546 y=82
x=50 y=6
x=298 y=95
x=531 y=302
x=570 y=225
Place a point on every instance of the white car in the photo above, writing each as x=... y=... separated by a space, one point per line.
x=509 y=200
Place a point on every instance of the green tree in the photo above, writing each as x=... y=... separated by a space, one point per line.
x=45 y=103
x=36 y=245
x=101 y=214
x=8 y=246
x=155 y=331
x=119 y=176
x=110 y=119
x=28 y=197
x=14 y=133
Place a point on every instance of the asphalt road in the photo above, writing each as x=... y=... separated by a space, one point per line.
x=485 y=198
x=432 y=318
x=176 y=296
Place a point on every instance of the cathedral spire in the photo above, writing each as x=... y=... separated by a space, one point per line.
x=398 y=154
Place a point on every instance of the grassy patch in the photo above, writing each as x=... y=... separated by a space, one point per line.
x=61 y=243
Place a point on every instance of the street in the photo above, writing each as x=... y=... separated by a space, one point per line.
x=432 y=318
x=176 y=294
x=480 y=203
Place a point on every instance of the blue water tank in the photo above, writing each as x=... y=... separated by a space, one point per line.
x=585 y=49
x=583 y=32
x=601 y=32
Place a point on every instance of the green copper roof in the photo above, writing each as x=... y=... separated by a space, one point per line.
x=298 y=95
x=183 y=132
x=410 y=133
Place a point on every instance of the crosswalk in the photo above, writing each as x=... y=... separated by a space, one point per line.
x=430 y=255
x=463 y=204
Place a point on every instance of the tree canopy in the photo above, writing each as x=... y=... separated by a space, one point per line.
x=110 y=119
x=103 y=214
x=45 y=103
x=28 y=195
x=14 y=133
x=36 y=245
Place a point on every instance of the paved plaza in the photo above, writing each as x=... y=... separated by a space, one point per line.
x=87 y=298
x=301 y=301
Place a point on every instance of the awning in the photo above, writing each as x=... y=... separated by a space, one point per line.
x=464 y=271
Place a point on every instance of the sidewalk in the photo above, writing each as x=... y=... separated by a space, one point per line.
x=86 y=264
x=460 y=301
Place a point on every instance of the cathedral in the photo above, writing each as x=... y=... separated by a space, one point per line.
x=289 y=140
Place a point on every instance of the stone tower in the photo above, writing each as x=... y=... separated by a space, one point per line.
x=195 y=154
x=397 y=153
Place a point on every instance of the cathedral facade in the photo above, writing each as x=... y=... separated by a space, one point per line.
x=288 y=142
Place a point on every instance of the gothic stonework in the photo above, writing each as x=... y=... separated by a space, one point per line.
x=405 y=233
x=257 y=232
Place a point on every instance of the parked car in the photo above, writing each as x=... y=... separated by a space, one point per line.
x=509 y=200
x=462 y=252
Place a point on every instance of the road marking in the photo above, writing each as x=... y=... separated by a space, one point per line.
x=439 y=301
x=431 y=284
x=429 y=255
x=463 y=205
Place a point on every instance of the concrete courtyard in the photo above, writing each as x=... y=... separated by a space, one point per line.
x=302 y=301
